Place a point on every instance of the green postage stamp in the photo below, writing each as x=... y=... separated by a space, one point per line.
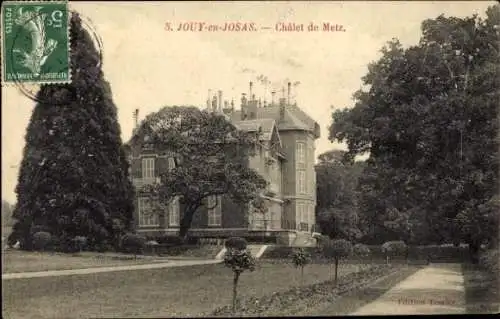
x=35 y=42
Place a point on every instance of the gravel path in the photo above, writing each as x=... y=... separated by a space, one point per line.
x=436 y=289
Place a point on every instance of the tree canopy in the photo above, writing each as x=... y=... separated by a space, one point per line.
x=73 y=178
x=211 y=158
x=337 y=205
x=429 y=120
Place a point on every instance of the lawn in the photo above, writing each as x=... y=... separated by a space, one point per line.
x=22 y=261
x=481 y=290
x=168 y=292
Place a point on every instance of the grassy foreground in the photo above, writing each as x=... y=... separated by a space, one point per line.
x=169 y=292
x=482 y=294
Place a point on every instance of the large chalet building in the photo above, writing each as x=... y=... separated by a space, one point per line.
x=284 y=157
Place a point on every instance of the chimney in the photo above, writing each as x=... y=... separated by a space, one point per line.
x=136 y=118
x=250 y=93
x=220 y=101
x=273 y=93
x=232 y=104
x=289 y=91
x=244 y=109
x=208 y=100
x=227 y=109
x=214 y=104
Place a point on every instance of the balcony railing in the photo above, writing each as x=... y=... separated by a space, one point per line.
x=292 y=225
x=303 y=226
x=264 y=224
x=139 y=182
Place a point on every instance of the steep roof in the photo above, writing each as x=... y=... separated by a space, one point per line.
x=294 y=119
x=264 y=126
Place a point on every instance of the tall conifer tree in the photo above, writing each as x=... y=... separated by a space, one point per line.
x=74 y=175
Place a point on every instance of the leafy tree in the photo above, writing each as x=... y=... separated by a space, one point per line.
x=336 y=183
x=211 y=158
x=41 y=240
x=337 y=249
x=73 y=177
x=394 y=248
x=429 y=119
x=238 y=259
x=300 y=259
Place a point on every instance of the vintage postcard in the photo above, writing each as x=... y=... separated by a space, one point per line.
x=249 y=158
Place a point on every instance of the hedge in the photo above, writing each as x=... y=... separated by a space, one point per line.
x=433 y=253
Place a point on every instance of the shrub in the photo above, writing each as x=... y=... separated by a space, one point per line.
x=394 y=248
x=236 y=243
x=300 y=259
x=337 y=249
x=41 y=240
x=488 y=260
x=79 y=243
x=361 y=250
x=133 y=243
x=151 y=245
x=238 y=259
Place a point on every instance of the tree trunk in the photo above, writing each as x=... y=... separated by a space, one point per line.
x=474 y=252
x=186 y=221
x=235 y=291
x=302 y=275
x=336 y=268
x=387 y=260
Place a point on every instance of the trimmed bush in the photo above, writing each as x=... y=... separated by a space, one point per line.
x=238 y=259
x=133 y=243
x=394 y=248
x=300 y=259
x=41 y=240
x=237 y=243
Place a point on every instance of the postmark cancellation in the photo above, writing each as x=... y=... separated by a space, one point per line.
x=35 y=42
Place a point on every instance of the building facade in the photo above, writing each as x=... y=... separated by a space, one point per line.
x=284 y=156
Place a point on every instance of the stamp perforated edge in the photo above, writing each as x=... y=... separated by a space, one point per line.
x=68 y=34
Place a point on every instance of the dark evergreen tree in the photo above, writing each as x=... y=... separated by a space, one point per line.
x=74 y=175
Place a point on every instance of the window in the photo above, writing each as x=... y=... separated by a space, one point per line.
x=310 y=219
x=173 y=213
x=301 y=216
x=301 y=182
x=148 y=167
x=214 y=213
x=301 y=155
x=146 y=215
x=171 y=163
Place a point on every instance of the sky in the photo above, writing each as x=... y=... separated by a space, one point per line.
x=149 y=67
